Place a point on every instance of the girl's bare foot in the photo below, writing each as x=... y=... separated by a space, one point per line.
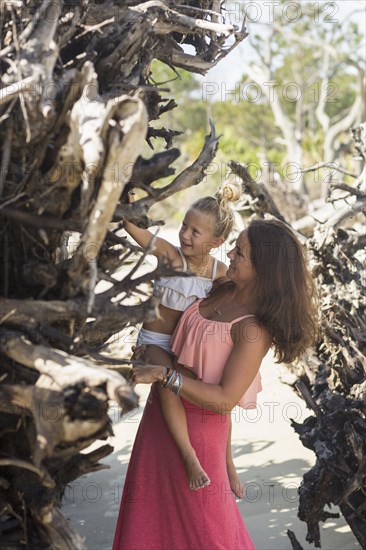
x=236 y=485
x=196 y=474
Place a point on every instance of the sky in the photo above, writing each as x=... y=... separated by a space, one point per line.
x=228 y=70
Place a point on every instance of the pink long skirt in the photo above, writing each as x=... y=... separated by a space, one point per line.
x=158 y=510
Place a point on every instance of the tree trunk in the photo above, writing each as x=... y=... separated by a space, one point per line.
x=76 y=103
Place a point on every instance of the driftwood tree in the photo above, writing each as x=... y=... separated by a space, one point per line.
x=76 y=102
x=332 y=379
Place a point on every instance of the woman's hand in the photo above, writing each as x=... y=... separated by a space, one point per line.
x=138 y=352
x=147 y=375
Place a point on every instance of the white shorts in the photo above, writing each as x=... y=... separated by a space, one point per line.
x=146 y=337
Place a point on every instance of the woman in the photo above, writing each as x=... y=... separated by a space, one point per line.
x=268 y=302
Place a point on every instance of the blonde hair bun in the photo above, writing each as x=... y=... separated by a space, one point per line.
x=218 y=207
x=229 y=191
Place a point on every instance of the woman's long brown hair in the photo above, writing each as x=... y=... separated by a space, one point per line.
x=285 y=292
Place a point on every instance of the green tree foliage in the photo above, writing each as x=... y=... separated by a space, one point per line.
x=310 y=65
x=317 y=67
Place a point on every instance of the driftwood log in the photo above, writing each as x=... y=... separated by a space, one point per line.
x=332 y=378
x=76 y=102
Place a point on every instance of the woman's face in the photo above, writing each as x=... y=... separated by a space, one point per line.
x=241 y=268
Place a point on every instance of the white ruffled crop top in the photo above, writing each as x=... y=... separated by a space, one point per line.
x=180 y=292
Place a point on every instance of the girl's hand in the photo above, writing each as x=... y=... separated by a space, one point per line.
x=147 y=375
x=131 y=196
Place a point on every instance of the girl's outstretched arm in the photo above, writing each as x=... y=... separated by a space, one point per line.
x=162 y=247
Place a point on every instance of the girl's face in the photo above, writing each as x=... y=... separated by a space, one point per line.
x=197 y=234
x=241 y=268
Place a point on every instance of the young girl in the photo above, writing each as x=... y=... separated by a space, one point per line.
x=206 y=225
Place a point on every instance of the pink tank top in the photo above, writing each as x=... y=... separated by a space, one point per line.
x=205 y=345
